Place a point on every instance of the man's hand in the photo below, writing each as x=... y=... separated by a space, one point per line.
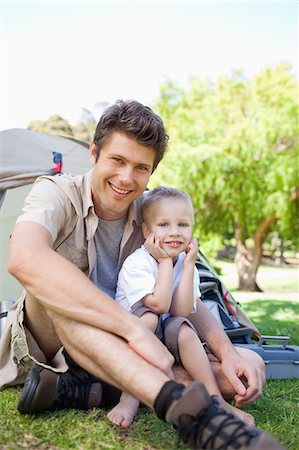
x=246 y=378
x=150 y=348
x=153 y=246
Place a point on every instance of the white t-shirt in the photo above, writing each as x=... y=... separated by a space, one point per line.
x=138 y=275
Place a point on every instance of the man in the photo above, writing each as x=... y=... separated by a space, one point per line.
x=66 y=250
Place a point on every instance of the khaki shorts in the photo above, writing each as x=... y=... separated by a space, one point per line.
x=19 y=350
x=167 y=330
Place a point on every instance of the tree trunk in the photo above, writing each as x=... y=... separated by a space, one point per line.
x=248 y=261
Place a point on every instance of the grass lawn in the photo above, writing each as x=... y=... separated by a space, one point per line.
x=274 y=312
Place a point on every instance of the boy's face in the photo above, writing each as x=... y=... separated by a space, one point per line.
x=120 y=175
x=171 y=220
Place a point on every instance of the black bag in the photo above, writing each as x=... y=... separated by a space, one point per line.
x=281 y=360
x=222 y=305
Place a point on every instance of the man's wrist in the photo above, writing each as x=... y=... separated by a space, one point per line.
x=134 y=329
x=221 y=346
x=226 y=350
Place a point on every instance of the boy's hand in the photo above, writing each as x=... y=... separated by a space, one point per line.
x=191 y=252
x=154 y=248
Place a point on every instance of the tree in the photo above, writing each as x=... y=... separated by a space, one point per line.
x=55 y=124
x=82 y=131
x=234 y=148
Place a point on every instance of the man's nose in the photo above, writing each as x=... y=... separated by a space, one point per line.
x=126 y=175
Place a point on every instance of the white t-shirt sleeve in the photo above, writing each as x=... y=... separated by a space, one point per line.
x=196 y=289
x=136 y=279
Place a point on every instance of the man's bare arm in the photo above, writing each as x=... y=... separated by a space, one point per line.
x=233 y=365
x=61 y=287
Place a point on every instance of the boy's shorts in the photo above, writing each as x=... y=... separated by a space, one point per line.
x=19 y=351
x=167 y=330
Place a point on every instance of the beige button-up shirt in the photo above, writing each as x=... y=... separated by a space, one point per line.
x=63 y=205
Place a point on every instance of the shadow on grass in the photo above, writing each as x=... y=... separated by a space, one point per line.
x=82 y=430
x=277 y=318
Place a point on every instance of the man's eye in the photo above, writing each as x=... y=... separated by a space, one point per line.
x=143 y=168
x=118 y=160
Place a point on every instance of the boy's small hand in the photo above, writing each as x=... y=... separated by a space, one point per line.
x=191 y=252
x=154 y=248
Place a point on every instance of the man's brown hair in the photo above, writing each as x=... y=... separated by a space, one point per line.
x=137 y=122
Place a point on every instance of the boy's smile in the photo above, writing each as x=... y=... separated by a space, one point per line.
x=171 y=221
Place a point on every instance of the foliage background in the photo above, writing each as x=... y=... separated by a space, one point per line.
x=234 y=148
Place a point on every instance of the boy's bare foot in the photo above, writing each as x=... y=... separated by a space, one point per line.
x=247 y=418
x=124 y=412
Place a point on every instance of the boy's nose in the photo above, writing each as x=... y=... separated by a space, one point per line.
x=174 y=231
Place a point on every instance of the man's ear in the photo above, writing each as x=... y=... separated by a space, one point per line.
x=93 y=153
x=145 y=231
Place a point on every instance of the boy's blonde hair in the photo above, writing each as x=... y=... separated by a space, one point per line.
x=162 y=193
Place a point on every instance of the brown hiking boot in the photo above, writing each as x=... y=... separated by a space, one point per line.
x=45 y=390
x=203 y=423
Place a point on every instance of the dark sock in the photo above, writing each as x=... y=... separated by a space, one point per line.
x=170 y=391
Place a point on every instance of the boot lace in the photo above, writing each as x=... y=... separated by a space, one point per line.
x=215 y=428
x=73 y=390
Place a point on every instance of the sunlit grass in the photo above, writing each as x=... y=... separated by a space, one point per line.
x=273 y=317
x=270 y=279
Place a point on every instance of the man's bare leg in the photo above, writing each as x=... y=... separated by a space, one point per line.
x=102 y=354
x=41 y=327
x=124 y=412
x=109 y=358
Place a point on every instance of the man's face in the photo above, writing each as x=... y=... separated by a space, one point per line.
x=171 y=221
x=120 y=175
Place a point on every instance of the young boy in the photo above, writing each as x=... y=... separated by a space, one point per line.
x=159 y=283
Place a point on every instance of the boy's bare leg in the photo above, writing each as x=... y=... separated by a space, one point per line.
x=226 y=388
x=124 y=412
x=195 y=361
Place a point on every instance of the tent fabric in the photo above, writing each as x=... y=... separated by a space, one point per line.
x=25 y=155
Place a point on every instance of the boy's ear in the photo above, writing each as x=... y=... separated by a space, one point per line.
x=145 y=230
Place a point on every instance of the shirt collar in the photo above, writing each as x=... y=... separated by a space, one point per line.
x=86 y=193
x=134 y=214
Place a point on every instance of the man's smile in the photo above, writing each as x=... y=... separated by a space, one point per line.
x=118 y=190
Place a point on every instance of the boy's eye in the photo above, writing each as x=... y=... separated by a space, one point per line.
x=162 y=224
x=183 y=225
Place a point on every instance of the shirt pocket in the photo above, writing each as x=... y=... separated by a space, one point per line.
x=75 y=253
